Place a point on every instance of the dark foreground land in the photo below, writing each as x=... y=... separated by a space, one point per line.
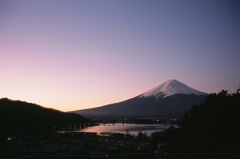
x=208 y=131
x=76 y=145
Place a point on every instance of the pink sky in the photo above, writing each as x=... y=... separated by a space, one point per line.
x=72 y=55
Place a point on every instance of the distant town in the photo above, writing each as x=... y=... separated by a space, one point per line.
x=33 y=143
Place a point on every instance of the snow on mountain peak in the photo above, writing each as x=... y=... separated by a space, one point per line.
x=171 y=87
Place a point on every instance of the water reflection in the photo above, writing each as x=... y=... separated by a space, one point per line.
x=123 y=128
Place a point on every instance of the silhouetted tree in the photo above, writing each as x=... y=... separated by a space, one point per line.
x=208 y=130
x=141 y=136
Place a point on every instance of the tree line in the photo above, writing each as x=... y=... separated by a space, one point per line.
x=210 y=130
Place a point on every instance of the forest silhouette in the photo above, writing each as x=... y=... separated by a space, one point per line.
x=210 y=130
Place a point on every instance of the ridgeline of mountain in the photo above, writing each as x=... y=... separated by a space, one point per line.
x=27 y=114
x=170 y=99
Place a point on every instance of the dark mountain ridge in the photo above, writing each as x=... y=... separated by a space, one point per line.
x=14 y=112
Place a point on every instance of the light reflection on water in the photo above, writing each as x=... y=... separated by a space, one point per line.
x=124 y=128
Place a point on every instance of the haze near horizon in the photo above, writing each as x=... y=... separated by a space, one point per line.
x=72 y=55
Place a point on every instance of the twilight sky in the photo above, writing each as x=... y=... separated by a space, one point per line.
x=77 y=54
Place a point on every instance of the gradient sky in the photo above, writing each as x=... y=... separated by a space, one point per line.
x=72 y=55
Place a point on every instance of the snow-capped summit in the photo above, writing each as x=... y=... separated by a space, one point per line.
x=169 y=88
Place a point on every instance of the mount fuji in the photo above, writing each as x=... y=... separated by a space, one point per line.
x=170 y=88
x=170 y=99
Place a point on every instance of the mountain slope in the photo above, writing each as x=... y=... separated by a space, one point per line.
x=171 y=98
x=23 y=113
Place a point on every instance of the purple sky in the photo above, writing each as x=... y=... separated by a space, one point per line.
x=72 y=55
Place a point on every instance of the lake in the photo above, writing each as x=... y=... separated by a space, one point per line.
x=124 y=128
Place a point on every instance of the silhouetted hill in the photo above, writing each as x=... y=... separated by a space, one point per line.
x=210 y=130
x=27 y=114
